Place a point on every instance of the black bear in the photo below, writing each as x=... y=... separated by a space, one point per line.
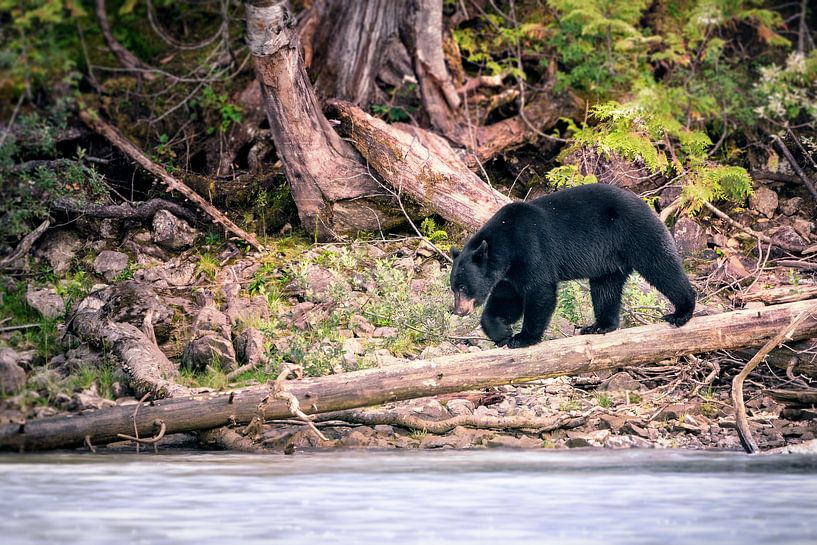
x=596 y=231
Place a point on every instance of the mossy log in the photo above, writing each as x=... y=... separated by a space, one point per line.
x=406 y=380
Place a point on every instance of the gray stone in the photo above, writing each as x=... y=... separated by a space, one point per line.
x=626 y=441
x=249 y=346
x=171 y=232
x=353 y=346
x=690 y=238
x=430 y=409
x=787 y=235
x=110 y=264
x=209 y=350
x=361 y=326
x=247 y=309
x=765 y=201
x=792 y=206
x=621 y=381
x=384 y=332
x=46 y=302
x=12 y=376
x=133 y=301
x=508 y=441
x=59 y=248
x=803 y=227
x=460 y=407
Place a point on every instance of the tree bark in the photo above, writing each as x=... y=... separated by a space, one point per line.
x=406 y=380
x=332 y=189
x=434 y=178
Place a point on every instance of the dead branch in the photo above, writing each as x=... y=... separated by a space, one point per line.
x=795 y=166
x=422 y=378
x=128 y=148
x=25 y=245
x=760 y=236
x=126 y=211
x=229 y=439
x=125 y=57
x=741 y=421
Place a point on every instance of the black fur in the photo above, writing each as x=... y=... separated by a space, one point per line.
x=515 y=261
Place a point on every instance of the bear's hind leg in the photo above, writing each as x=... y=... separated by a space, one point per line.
x=606 y=294
x=503 y=308
x=667 y=275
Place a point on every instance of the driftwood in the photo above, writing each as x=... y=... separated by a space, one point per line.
x=128 y=148
x=431 y=177
x=741 y=420
x=804 y=398
x=422 y=378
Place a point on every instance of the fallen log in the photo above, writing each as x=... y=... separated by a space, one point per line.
x=406 y=380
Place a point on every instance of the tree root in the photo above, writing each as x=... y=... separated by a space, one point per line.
x=126 y=211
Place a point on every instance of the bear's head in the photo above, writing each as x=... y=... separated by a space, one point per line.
x=472 y=278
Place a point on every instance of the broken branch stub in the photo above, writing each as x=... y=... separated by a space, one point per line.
x=434 y=178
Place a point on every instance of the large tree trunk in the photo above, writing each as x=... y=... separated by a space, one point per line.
x=421 y=378
x=332 y=189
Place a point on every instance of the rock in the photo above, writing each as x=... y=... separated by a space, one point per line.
x=626 y=441
x=88 y=399
x=353 y=346
x=209 y=350
x=384 y=332
x=621 y=381
x=132 y=301
x=46 y=302
x=611 y=422
x=59 y=249
x=803 y=227
x=12 y=376
x=318 y=281
x=430 y=409
x=171 y=232
x=765 y=201
x=577 y=442
x=249 y=346
x=787 y=235
x=247 y=309
x=359 y=437
x=210 y=343
x=690 y=238
x=508 y=441
x=361 y=326
x=110 y=264
x=668 y=195
x=792 y=206
x=460 y=407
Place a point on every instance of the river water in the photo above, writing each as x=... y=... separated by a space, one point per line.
x=410 y=497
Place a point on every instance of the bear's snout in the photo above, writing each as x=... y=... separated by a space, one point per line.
x=462 y=305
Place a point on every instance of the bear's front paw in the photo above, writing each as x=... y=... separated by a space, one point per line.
x=676 y=319
x=521 y=341
x=596 y=329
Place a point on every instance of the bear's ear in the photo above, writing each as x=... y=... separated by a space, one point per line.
x=481 y=253
x=454 y=252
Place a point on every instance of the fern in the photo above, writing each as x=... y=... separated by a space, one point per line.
x=712 y=183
